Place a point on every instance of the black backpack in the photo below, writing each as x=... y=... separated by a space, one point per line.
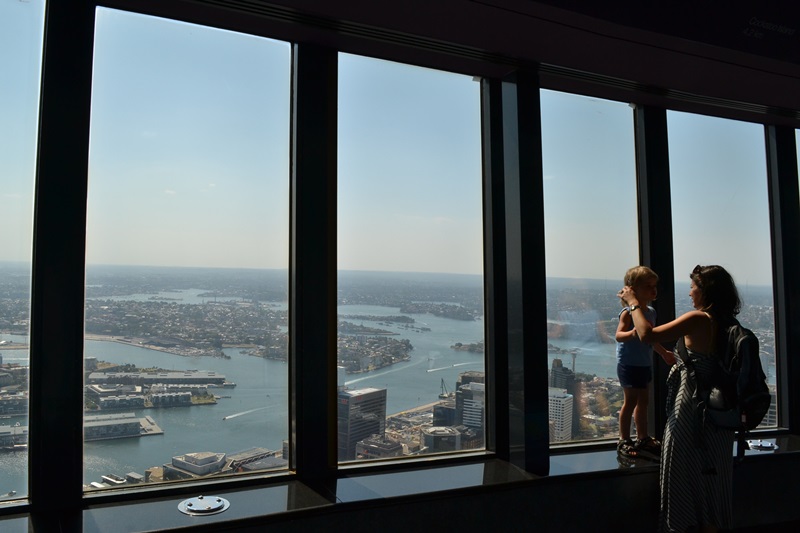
x=736 y=396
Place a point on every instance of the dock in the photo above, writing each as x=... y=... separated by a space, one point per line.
x=149 y=427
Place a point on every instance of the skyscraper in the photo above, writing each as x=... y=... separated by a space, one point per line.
x=362 y=414
x=470 y=376
x=470 y=400
x=560 y=412
x=562 y=377
x=444 y=414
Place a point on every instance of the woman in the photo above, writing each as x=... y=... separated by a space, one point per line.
x=696 y=457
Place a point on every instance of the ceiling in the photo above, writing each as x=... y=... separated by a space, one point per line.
x=688 y=55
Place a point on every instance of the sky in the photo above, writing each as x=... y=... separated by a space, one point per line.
x=720 y=207
x=589 y=187
x=189 y=161
x=20 y=57
x=409 y=169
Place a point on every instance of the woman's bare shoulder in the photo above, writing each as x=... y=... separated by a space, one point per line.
x=695 y=314
x=686 y=324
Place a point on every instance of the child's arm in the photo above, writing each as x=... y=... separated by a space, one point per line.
x=665 y=354
x=625 y=332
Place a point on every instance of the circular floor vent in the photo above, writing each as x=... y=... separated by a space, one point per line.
x=203 y=505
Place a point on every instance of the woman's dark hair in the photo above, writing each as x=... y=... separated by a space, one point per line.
x=720 y=297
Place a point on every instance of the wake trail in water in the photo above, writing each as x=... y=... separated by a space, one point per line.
x=452 y=366
x=244 y=412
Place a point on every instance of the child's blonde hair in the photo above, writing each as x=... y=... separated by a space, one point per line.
x=636 y=275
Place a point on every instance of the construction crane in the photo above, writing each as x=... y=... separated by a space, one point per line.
x=444 y=394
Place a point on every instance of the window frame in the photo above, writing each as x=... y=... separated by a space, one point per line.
x=513 y=237
x=784 y=213
x=59 y=244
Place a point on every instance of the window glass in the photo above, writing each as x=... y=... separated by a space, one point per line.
x=720 y=216
x=21 y=29
x=797 y=143
x=187 y=253
x=590 y=242
x=410 y=259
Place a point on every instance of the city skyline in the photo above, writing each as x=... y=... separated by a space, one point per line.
x=186 y=321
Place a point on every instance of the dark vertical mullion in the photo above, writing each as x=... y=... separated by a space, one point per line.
x=655 y=230
x=784 y=211
x=312 y=278
x=57 y=291
x=526 y=327
x=497 y=427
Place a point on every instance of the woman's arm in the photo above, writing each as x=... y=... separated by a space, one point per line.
x=625 y=331
x=665 y=354
x=686 y=324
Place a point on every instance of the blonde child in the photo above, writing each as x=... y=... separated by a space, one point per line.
x=634 y=368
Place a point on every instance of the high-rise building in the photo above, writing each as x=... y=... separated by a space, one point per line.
x=470 y=401
x=561 y=377
x=444 y=413
x=362 y=414
x=470 y=376
x=560 y=412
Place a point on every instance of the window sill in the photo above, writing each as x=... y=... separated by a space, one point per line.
x=566 y=461
x=275 y=502
x=362 y=487
x=594 y=461
x=250 y=504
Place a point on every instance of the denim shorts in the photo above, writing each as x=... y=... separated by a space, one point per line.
x=636 y=377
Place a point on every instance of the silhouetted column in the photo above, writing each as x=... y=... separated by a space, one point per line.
x=525 y=269
x=312 y=272
x=785 y=224
x=59 y=242
x=655 y=234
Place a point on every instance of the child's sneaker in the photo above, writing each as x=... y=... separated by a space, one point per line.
x=627 y=448
x=649 y=448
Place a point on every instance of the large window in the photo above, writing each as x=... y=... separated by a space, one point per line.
x=410 y=256
x=720 y=216
x=21 y=44
x=187 y=253
x=206 y=344
x=590 y=241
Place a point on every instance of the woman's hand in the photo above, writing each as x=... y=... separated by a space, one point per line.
x=627 y=294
